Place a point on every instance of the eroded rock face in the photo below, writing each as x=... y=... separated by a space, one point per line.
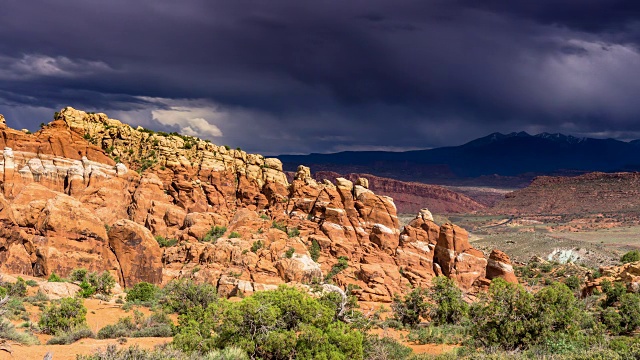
x=137 y=252
x=236 y=221
x=499 y=266
x=410 y=197
x=45 y=231
x=170 y=150
x=456 y=259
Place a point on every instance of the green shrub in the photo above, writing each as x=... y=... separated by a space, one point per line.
x=278 y=225
x=103 y=283
x=162 y=352
x=573 y=282
x=9 y=332
x=596 y=274
x=503 y=319
x=14 y=309
x=613 y=292
x=37 y=299
x=385 y=348
x=343 y=263
x=62 y=316
x=409 y=309
x=546 y=268
x=443 y=334
x=155 y=325
x=164 y=242
x=631 y=256
x=92 y=283
x=279 y=324
x=289 y=253
x=629 y=310
x=234 y=235
x=214 y=234
x=509 y=317
x=112 y=352
x=182 y=294
x=31 y=283
x=3 y=292
x=142 y=291
x=228 y=353
x=16 y=289
x=55 y=278
x=86 y=289
x=448 y=305
x=558 y=311
x=71 y=336
x=293 y=232
x=314 y=251
x=257 y=245
x=612 y=319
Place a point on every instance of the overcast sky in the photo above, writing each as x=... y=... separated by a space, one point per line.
x=295 y=76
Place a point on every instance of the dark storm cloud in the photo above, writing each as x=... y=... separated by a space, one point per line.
x=587 y=15
x=294 y=76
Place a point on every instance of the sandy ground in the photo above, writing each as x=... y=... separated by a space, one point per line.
x=400 y=335
x=69 y=352
x=99 y=314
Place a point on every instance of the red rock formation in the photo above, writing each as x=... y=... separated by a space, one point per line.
x=137 y=252
x=499 y=266
x=238 y=222
x=628 y=274
x=456 y=259
x=410 y=197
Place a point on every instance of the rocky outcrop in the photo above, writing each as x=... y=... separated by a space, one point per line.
x=45 y=231
x=456 y=259
x=88 y=191
x=142 y=148
x=410 y=197
x=499 y=266
x=137 y=252
x=629 y=274
x=55 y=157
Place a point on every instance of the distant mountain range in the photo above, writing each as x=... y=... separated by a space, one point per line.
x=507 y=159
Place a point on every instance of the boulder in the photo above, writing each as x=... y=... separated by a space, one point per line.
x=59 y=290
x=425 y=214
x=300 y=268
x=499 y=266
x=137 y=252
